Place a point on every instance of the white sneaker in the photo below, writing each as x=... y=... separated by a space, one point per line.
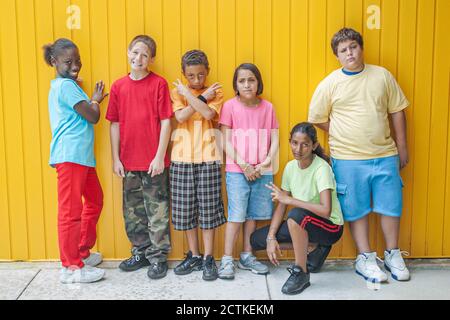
x=87 y=274
x=367 y=267
x=226 y=269
x=394 y=263
x=94 y=259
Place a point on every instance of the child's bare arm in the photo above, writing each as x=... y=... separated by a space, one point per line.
x=250 y=171
x=399 y=124
x=114 y=131
x=184 y=114
x=322 y=209
x=272 y=155
x=324 y=126
x=196 y=103
x=91 y=111
x=157 y=165
x=273 y=247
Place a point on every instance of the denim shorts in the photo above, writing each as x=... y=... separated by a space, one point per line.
x=365 y=186
x=248 y=200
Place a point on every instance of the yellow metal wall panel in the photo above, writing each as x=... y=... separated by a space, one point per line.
x=30 y=121
x=118 y=44
x=12 y=114
x=154 y=27
x=446 y=226
x=280 y=78
x=5 y=243
x=44 y=34
x=335 y=21
x=421 y=123
x=288 y=40
x=405 y=76
x=100 y=71
x=438 y=132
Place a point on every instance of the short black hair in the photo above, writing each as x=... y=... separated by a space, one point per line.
x=253 y=68
x=343 y=35
x=193 y=58
x=51 y=51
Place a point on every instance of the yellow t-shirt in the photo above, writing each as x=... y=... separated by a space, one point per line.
x=194 y=140
x=357 y=107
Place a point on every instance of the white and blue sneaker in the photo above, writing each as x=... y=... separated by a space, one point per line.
x=248 y=262
x=226 y=269
x=367 y=267
x=94 y=259
x=394 y=263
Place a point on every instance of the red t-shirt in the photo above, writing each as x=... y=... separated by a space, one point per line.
x=139 y=106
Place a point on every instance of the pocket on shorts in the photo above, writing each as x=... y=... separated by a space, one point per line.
x=341 y=189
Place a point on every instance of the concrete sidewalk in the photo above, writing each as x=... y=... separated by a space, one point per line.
x=430 y=279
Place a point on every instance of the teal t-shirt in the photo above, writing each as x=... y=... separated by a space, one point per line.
x=72 y=135
x=307 y=184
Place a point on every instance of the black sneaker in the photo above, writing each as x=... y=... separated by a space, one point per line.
x=134 y=263
x=297 y=281
x=189 y=264
x=317 y=257
x=157 y=270
x=209 y=269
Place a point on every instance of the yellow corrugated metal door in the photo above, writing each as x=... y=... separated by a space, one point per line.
x=288 y=40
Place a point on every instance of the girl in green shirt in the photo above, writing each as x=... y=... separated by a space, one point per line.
x=315 y=222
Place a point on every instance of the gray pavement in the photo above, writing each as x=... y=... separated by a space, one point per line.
x=430 y=279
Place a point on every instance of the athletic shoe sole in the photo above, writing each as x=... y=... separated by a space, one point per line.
x=395 y=277
x=210 y=278
x=231 y=277
x=240 y=266
x=373 y=280
x=183 y=273
x=299 y=290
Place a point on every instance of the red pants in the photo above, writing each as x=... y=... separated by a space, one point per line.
x=77 y=221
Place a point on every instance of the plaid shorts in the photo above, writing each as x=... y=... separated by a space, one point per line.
x=196 y=193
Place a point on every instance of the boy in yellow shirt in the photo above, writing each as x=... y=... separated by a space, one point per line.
x=353 y=104
x=195 y=170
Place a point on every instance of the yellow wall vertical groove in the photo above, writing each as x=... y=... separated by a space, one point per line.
x=287 y=39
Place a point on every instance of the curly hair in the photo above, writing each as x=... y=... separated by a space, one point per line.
x=343 y=35
x=193 y=58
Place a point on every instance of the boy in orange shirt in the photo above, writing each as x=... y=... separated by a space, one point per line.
x=195 y=170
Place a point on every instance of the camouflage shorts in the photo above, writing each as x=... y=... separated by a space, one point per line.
x=146 y=213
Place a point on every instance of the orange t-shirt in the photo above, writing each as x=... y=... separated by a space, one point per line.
x=194 y=140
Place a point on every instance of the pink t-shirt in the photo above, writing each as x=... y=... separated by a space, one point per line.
x=251 y=128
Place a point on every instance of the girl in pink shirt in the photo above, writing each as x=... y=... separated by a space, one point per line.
x=250 y=129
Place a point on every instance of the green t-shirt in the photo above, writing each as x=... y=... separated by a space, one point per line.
x=307 y=184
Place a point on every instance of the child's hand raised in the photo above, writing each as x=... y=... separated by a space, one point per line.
x=210 y=93
x=98 y=92
x=278 y=194
x=181 y=88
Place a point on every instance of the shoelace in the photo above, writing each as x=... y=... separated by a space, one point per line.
x=293 y=272
x=136 y=258
x=402 y=253
x=227 y=264
x=154 y=266
x=252 y=260
x=399 y=260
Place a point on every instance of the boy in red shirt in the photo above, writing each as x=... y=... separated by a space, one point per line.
x=140 y=110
